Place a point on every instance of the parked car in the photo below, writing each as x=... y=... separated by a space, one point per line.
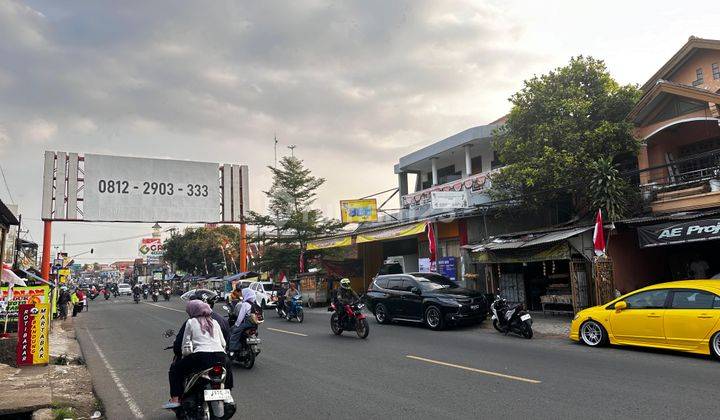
x=264 y=293
x=124 y=289
x=429 y=298
x=679 y=315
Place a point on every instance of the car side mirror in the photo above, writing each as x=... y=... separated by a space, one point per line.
x=621 y=306
x=415 y=290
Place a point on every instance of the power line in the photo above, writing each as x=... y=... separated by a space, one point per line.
x=127 y=238
x=7 y=187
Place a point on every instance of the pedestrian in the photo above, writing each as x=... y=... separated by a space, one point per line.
x=76 y=302
x=63 y=300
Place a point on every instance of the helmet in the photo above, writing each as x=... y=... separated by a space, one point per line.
x=345 y=283
x=207 y=296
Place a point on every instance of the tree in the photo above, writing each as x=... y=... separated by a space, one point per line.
x=561 y=124
x=208 y=251
x=291 y=216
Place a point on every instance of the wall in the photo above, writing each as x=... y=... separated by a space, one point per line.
x=702 y=59
x=633 y=267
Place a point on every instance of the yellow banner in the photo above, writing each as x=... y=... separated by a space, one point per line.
x=358 y=211
x=329 y=243
x=41 y=328
x=393 y=232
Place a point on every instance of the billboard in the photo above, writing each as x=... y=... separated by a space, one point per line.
x=151 y=249
x=448 y=200
x=96 y=188
x=358 y=211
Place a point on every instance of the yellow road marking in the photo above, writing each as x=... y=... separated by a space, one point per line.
x=484 y=372
x=286 y=332
x=164 y=307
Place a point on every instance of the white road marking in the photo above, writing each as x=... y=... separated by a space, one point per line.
x=164 y=307
x=484 y=372
x=125 y=393
x=286 y=332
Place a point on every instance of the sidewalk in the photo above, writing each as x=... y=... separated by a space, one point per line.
x=64 y=383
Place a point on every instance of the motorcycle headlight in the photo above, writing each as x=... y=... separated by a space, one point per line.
x=449 y=301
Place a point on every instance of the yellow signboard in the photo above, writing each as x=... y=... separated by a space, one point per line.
x=392 y=232
x=329 y=243
x=358 y=211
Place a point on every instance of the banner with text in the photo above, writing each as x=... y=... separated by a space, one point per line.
x=678 y=233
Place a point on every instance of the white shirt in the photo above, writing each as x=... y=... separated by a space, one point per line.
x=201 y=340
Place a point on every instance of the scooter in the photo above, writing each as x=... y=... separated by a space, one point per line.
x=280 y=308
x=295 y=309
x=354 y=319
x=204 y=395
x=145 y=294
x=250 y=349
x=106 y=294
x=155 y=295
x=136 y=297
x=166 y=294
x=513 y=319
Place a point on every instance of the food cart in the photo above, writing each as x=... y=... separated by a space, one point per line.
x=315 y=288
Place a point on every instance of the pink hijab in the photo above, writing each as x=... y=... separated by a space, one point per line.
x=201 y=311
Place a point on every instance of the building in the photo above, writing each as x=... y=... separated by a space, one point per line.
x=677 y=122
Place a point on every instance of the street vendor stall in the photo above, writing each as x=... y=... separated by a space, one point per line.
x=315 y=288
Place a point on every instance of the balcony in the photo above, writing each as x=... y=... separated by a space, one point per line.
x=477 y=186
x=691 y=183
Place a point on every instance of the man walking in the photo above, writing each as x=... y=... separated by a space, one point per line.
x=63 y=300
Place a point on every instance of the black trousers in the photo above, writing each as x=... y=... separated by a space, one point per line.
x=62 y=307
x=195 y=362
x=77 y=308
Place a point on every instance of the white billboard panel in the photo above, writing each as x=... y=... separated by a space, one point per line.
x=448 y=200
x=128 y=189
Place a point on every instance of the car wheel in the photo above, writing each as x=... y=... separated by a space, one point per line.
x=593 y=334
x=715 y=345
x=381 y=315
x=433 y=318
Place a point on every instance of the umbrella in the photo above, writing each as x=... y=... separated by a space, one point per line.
x=8 y=276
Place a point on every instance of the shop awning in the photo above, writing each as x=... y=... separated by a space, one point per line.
x=335 y=242
x=528 y=240
x=392 y=232
x=528 y=247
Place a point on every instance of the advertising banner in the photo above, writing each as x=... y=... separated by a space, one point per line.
x=151 y=249
x=31 y=295
x=329 y=243
x=33 y=328
x=392 y=232
x=448 y=200
x=678 y=232
x=358 y=211
x=447 y=266
x=128 y=189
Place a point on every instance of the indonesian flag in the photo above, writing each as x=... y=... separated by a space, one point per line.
x=301 y=263
x=599 y=235
x=431 y=241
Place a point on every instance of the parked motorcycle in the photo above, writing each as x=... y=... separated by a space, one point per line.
x=155 y=295
x=513 y=319
x=295 y=309
x=204 y=395
x=354 y=319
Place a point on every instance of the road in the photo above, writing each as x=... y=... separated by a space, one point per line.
x=399 y=371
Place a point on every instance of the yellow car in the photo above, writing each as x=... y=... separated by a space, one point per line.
x=679 y=315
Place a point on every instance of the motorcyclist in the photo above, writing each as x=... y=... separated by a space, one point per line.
x=243 y=321
x=290 y=294
x=344 y=295
x=281 y=295
x=137 y=290
x=207 y=348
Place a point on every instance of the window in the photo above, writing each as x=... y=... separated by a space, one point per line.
x=395 y=284
x=476 y=165
x=408 y=285
x=716 y=305
x=692 y=299
x=698 y=77
x=382 y=283
x=653 y=299
x=716 y=71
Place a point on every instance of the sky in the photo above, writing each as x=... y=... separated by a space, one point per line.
x=354 y=85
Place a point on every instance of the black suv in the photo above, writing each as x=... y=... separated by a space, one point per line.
x=424 y=297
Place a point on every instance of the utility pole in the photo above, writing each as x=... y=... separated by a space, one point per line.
x=292 y=149
x=276 y=143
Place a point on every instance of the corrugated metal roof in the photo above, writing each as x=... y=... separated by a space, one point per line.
x=528 y=241
x=685 y=215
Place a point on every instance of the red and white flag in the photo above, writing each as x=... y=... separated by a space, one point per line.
x=301 y=263
x=599 y=235
x=431 y=241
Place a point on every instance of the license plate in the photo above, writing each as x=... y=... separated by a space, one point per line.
x=525 y=317
x=253 y=340
x=218 y=395
x=475 y=307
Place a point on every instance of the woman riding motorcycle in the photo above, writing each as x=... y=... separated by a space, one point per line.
x=243 y=322
x=203 y=346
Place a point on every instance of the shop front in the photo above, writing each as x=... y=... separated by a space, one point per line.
x=653 y=250
x=545 y=271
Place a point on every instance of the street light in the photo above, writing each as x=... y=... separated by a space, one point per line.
x=292 y=149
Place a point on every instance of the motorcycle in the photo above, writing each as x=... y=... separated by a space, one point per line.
x=508 y=319
x=145 y=294
x=354 y=319
x=295 y=309
x=204 y=395
x=250 y=349
x=92 y=294
x=155 y=295
x=166 y=294
x=106 y=294
x=136 y=297
x=280 y=308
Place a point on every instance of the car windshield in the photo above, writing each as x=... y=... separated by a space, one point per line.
x=429 y=281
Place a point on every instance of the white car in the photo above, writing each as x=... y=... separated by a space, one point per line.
x=264 y=293
x=124 y=289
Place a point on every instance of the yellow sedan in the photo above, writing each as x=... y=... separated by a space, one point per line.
x=679 y=315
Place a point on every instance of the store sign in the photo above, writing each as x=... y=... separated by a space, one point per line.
x=448 y=200
x=447 y=266
x=20 y=296
x=151 y=249
x=119 y=188
x=33 y=346
x=677 y=233
x=358 y=211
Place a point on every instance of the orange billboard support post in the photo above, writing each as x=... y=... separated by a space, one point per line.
x=243 y=248
x=47 y=235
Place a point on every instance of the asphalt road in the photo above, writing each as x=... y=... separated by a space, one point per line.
x=399 y=371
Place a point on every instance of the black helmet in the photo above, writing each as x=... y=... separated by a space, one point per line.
x=207 y=296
